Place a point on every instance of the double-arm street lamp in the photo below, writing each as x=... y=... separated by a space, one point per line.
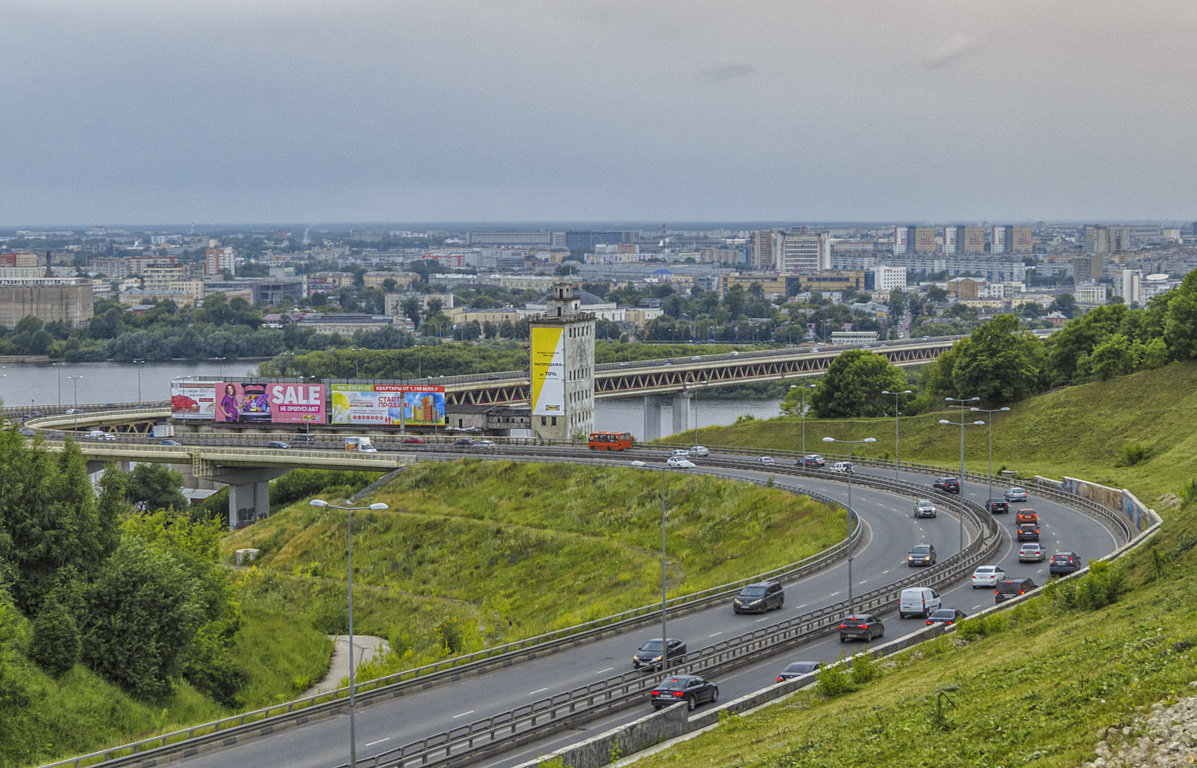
x=349 y=558
x=850 y=472
x=804 y=388
x=896 y=414
x=989 y=421
x=962 y=424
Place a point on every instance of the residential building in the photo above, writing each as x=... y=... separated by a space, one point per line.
x=218 y=261
x=1128 y=284
x=1089 y=294
x=974 y=239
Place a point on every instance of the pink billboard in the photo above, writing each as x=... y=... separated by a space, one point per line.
x=269 y=403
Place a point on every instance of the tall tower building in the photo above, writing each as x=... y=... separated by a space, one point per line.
x=997 y=239
x=951 y=238
x=806 y=252
x=901 y=240
x=763 y=255
x=219 y=260
x=974 y=239
x=924 y=240
x=562 y=367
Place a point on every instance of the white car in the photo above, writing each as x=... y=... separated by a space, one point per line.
x=639 y=463
x=679 y=452
x=1031 y=552
x=764 y=460
x=843 y=466
x=987 y=576
x=699 y=450
x=680 y=462
x=99 y=434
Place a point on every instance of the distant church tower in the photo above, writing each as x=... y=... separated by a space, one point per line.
x=562 y=368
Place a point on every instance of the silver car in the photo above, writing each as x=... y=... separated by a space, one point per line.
x=924 y=508
x=1031 y=552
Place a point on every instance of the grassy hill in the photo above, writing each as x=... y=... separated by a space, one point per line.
x=1079 y=431
x=1043 y=683
x=477 y=553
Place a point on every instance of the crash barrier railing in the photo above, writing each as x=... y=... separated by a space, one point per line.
x=587 y=702
x=392 y=686
x=395 y=685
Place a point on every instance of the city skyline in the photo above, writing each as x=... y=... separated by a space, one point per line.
x=253 y=111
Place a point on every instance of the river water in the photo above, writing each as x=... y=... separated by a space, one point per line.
x=83 y=384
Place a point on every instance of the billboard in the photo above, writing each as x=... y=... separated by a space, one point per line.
x=193 y=399
x=390 y=404
x=269 y=403
x=548 y=371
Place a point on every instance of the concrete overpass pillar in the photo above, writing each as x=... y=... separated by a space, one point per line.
x=681 y=412
x=652 y=417
x=249 y=492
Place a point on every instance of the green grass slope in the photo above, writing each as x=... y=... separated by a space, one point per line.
x=1079 y=431
x=1041 y=684
x=478 y=553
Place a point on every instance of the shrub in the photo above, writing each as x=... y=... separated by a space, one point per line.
x=864 y=669
x=971 y=629
x=833 y=681
x=1099 y=587
x=1133 y=453
x=1188 y=491
x=55 y=643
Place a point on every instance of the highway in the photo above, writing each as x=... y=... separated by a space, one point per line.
x=890 y=532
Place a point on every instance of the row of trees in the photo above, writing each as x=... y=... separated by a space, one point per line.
x=140 y=599
x=1002 y=363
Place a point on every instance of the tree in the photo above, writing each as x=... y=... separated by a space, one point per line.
x=853 y=385
x=897 y=302
x=156 y=486
x=935 y=293
x=55 y=643
x=998 y=363
x=141 y=614
x=1113 y=357
x=411 y=310
x=1180 y=322
x=1065 y=304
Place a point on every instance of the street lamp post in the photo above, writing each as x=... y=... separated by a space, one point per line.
x=664 y=627
x=704 y=383
x=804 y=388
x=58 y=367
x=75 y=383
x=989 y=422
x=896 y=414
x=349 y=558
x=850 y=473
x=139 y=363
x=962 y=424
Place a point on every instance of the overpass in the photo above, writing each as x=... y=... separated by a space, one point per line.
x=669 y=383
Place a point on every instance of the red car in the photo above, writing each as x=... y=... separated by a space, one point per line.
x=415 y=440
x=1027 y=515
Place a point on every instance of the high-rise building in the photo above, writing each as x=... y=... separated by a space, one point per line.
x=1096 y=239
x=901 y=240
x=1088 y=268
x=763 y=253
x=974 y=239
x=219 y=260
x=952 y=236
x=997 y=239
x=1020 y=240
x=1128 y=283
x=806 y=252
x=924 y=240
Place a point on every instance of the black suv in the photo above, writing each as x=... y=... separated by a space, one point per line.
x=947 y=485
x=1028 y=532
x=1011 y=588
x=759 y=597
x=1064 y=563
x=997 y=506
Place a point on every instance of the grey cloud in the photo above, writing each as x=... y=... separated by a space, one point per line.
x=953 y=49
x=724 y=72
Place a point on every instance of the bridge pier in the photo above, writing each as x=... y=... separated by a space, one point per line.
x=249 y=489
x=679 y=403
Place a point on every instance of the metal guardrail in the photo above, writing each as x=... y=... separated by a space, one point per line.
x=878 y=599
x=394 y=685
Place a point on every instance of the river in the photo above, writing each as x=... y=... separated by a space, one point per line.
x=86 y=384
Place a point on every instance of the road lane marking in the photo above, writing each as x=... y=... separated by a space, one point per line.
x=833 y=594
x=605 y=669
x=538 y=690
x=372 y=743
x=717 y=634
x=887 y=570
x=763 y=618
x=463 y=714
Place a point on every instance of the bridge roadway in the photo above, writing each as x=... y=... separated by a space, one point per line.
x=891 y=531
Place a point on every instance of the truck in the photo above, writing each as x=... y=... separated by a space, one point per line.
x=163 y=430
x=359 y=444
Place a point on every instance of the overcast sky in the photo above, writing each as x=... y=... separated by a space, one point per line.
x=123 y=111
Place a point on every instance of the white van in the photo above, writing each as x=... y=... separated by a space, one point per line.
x=843 y=466
x=918 y=601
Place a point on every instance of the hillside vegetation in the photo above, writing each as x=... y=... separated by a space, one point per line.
x=1041 y=684
x=1137 y=431
x=478 y=553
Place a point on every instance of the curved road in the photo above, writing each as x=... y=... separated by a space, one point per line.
x=890 y=532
